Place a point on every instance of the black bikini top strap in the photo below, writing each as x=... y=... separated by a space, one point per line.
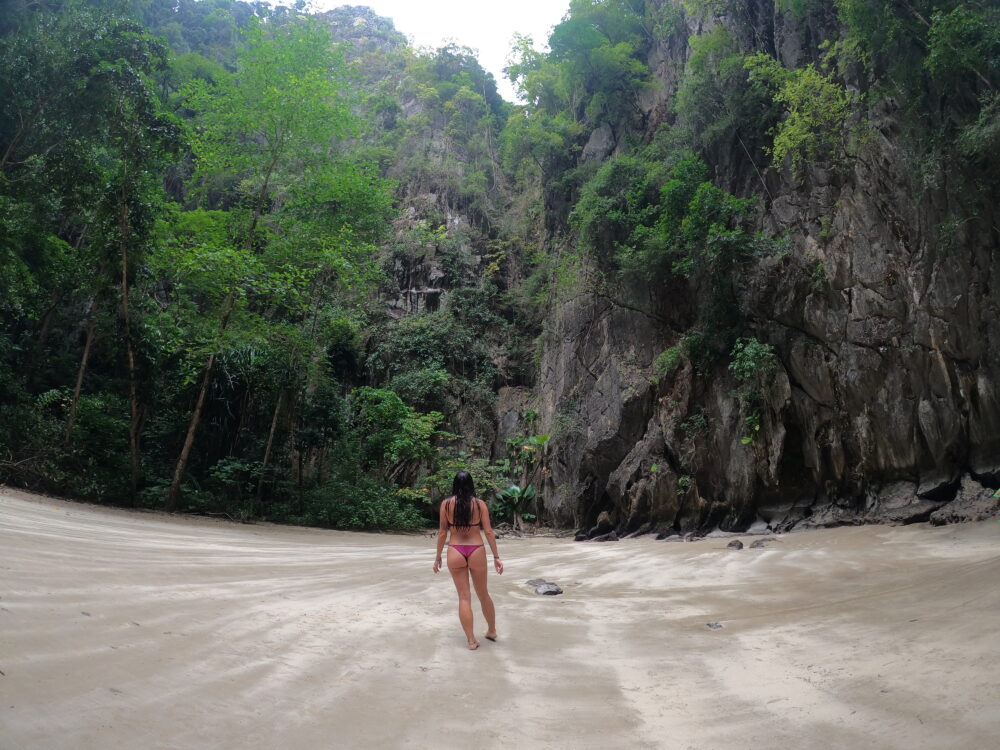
x=454 y=500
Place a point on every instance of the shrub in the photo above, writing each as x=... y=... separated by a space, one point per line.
x=816 y=109
x=388 y=430
x=668 y=362
x=425 y=388
x=361 y=505
x=751 y=361
x=487 y=475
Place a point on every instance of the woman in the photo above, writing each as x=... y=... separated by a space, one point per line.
x=466 y=516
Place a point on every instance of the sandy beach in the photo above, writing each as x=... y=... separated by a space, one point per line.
x=139 y=630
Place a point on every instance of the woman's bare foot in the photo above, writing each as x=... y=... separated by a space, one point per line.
x=473 y=645
x=491 y=635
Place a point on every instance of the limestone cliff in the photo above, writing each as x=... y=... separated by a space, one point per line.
x=883 y=314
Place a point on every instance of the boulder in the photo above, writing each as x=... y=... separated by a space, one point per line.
x=504 y=530
x=735 y=544
x=543 y=587
x=611 y=536
x=914 y=513
x=644 y=530
x=829 y=516
x=974 y=502
x=898 y=503
x=602 y=527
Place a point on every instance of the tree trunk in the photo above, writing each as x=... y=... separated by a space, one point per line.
x=320 y=463
x=43 y=330
x=301 y=468
x=133 y=377
x=174 y=493
x=267 y=453
x=57 y=297
x=135 y=416
x=81 y=371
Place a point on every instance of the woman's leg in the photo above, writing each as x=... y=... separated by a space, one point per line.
x=478 y=567
x=459 y=569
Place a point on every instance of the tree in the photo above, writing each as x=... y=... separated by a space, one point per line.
x=141 y=136
x=271 y=130
x=529 y=453
x=85 y=131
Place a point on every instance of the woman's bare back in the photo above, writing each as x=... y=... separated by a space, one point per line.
x=471 y=534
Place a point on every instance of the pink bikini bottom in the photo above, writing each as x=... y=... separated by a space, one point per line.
x=466 y=550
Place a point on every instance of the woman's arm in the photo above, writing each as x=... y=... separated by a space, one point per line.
x=490 y=536
x=442 y=534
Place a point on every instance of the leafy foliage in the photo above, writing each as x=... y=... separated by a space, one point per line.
x=816 y=109
x=388 y=430
x=667 y=362
x=665 y=219
x=205 y=205
x=360 y=505
x=751 y=364
x=922 y=53
x=515 y=501
x=595 y=69
x=751 y=361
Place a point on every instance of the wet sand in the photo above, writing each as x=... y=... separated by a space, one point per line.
x=136 y=630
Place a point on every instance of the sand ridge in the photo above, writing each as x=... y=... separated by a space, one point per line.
x=125 y=630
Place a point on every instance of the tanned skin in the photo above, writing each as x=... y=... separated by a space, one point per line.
x=461 y=569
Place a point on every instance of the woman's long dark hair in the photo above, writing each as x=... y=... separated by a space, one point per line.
x=464 y=490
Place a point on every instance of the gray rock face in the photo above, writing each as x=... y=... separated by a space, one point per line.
x=601 y=144
x=886 y=331
x=735 y=544
x=898 y=504
x=974 y=502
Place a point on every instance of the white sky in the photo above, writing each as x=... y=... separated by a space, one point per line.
x=484 y=25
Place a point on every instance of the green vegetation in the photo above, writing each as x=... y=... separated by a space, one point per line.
x=920 y=54
x=264 y=262
x=816 y=108
x=751 y=365
x=214 y=360
x=751 y=361
x=513 y=502
x=666 y=219
x=667 y=362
